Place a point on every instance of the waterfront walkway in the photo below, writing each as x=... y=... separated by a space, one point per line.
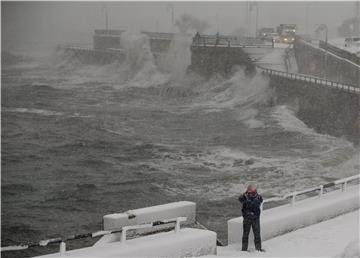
x=336 y=237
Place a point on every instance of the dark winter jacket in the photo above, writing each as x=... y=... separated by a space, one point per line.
x=251 y=202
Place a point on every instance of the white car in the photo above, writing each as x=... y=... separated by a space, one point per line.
x=352 y=41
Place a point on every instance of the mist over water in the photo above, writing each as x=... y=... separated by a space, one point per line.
x=80 y=141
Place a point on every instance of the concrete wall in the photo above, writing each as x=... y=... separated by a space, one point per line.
x=208 y=60
x=92 y=56
x=316 y=61
x=159 y=45
x=106 y=41
x=325 y=109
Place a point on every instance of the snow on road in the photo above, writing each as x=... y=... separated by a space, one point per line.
x=274 y=59
x=337 y=237
x=340 y=43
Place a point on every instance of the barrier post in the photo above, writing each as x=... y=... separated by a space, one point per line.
x=293 y=197
x=321 y=190
x=178 y=221
x=62 y=248
x=123 y=235
x=344 y=185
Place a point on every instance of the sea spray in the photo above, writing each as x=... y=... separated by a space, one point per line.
x=177 y=59
x=238 y=91
x=139 y=69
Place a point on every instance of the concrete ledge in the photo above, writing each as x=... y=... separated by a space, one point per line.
x=187 y=242
x=286 y=218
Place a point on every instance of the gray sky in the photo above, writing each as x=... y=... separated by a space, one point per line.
x=74 y=22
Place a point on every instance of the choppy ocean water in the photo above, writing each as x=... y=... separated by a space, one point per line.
x=80 y=141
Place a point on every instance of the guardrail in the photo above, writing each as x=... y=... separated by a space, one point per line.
x=229 y=41
x=177 y=222
x=108 y=32
x=89 y=49
x=311 y=79
x=320 y=188
x=61 y=241
x=159 y=35
x=339 y=52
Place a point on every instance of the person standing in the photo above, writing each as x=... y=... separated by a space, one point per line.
x=251 y=202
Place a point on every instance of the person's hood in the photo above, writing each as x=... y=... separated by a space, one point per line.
x=251 y=189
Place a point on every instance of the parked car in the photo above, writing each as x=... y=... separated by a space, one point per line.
x=352 y=42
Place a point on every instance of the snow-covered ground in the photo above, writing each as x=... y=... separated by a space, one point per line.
x=274 y=58
x=337 y=237
x=188 y=242
x=340 y=43
x=286 y=218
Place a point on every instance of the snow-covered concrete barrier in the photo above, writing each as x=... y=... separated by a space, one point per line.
x=149 y=214
x=145 y=215
x=286 y=218
x=187 y=242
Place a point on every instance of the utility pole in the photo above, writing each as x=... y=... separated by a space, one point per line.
x=248 y=18
x=357 y=19
x=320 y=28
x=107 y=19
x=104 y=8
x=307 y=18
x=257 y=19
x=251 y=5
x=170 y=6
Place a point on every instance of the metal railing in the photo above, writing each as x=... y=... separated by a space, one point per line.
x=108 y=32
x=339 y=52
x=62 y=241
x=159 y=35
x=317 y=46
x=343 y=182
x=311 y=79
x=228 y=41
x=89 y=49
x=177 y=222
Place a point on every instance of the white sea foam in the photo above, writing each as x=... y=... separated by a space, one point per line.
x=34 y=111
x=288 y=120
x=275 y=174
x=239 y=90
x=43 y=112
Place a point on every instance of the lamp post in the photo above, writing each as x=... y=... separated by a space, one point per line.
x=324 y=27
x=170 y=7
x=257 y=19
x=248 y=9
x=307 y=18
x=251 y=5
x=104 y=8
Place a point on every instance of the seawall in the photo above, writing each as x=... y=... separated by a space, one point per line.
x=208 y=60
x=327 y=110
x=93 y=56
x=318 y=62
